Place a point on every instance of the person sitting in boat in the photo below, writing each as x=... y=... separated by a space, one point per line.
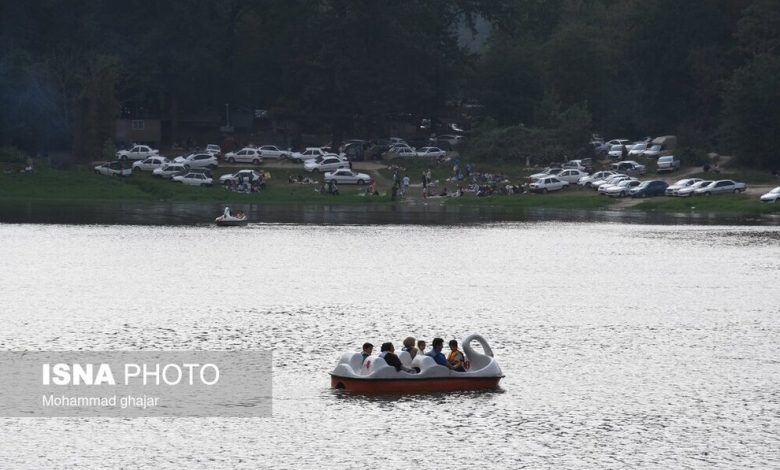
x=456 y=358
x=409 y=347
x=227 y=212
x=368 y=348
x=388 y=354
x=436 y=354
x=421 y=347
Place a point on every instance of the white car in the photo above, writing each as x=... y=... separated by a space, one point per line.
x=771 y=196
x=309 y=154
x=654 y=151
x=637 y=149
x=347 y=176
x=683 y=183
x=575 y=165
x=599 y=175
x=625 y=142
x=138 y=152
x=721 y=187
x=688 y=191
x=274 y=152
x=198 y=160
x=169 y=171
x=245 y=155
x=214 y=149
x=616 y=151
x=550 y=183
x=150 y=163
x=613 y=179
x=629 y=167
x=450 y=139
x=402 y=151
x=668 y=163
x=241 y=175
x=602 y=189
x=193 y=179
x=549 y=171
x=328 y=162
x=432 y=152
x=113 y=169
x=571 y=176
x=621 y=189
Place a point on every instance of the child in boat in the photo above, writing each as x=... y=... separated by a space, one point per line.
x=409 y=347
x=420 y=347
x=368 y=348
x=456 y=359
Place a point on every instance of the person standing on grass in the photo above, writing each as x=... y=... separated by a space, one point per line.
x=405 y=185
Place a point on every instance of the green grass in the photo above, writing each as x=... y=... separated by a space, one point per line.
x=725 y=203
x=83 y=185
x=569 y=199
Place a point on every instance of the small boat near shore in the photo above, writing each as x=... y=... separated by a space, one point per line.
x=229 y=220
x=374 y=376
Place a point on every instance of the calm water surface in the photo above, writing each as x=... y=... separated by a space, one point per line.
x=623 y=345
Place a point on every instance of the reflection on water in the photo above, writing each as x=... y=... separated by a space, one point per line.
x=433 y=213
x=623 y=345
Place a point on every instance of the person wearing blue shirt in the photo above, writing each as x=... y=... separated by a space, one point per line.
x=436 y=354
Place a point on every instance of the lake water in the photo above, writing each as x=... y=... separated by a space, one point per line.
x=623 y=345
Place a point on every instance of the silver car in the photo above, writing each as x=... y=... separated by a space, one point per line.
x=721 y=187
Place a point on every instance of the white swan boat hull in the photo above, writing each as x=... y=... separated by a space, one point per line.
x=375 y=376
x=230 y=221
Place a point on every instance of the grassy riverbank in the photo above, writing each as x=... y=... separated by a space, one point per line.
x=571 y=199
x=83 y=185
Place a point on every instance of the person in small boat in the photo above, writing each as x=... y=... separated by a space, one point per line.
x=436 y=354
x=368 y=348
x=226 y=214
x=456 y=358
x=409 y=347
x=388 y=354
x=420 y=347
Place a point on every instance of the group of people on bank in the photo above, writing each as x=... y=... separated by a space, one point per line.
x=455 y=360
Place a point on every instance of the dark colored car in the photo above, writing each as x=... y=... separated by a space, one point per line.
x=650 y=189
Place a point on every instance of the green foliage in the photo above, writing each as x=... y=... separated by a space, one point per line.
x=10 y=154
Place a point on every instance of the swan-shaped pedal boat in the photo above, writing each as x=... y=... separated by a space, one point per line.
x=230 y=220
x=375 y=376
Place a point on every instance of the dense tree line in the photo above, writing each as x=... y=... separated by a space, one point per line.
x=551 y=72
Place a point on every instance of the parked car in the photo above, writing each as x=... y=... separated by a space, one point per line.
x=661 y=146
x=688 y=191
x=599 y=175
x=637 y=149
x=584 y=165
x=328 y=162
x=309 y=154
x=629 y=167
x=571 y=176
x=198 y=160
x=138 y=152
x=612 y=179
x=240 y=175
x=618 y=142
x=549 y=171
x=245 y=155
x=668 y=163
x=621 y=189
x=169 y=170
x=616 y=152
x=402 y=151
x=150 y=163
x=683 y=183
x=771 y=196
x=547 y=184
x=214 y=149
x=193 y=179
x=115 y=168
x=451 y=139
x=431 y=152
x=649 y=189
x=346 y=176
x=721 y=187
x=274 y=152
